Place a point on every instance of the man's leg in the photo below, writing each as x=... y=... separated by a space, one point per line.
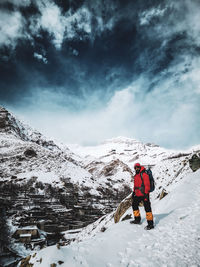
x=149 y=215
x=136 y=211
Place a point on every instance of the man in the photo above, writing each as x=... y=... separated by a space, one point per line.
x=141 y=193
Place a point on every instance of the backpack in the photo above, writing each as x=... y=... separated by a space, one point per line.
x=151 y=179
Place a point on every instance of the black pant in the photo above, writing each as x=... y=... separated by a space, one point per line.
x=137 y=200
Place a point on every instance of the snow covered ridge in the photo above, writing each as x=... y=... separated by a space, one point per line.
x=10 y=125
x=175 y=241
x=126 y=149
x=168 y=166
x=25 y=153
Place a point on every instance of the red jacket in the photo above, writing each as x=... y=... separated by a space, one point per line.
x=138 y=183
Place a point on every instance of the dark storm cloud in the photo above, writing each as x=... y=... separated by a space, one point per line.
x=86 y=55
x=91 y=43
x=98 y=39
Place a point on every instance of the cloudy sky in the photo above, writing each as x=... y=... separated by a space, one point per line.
x=84 y=71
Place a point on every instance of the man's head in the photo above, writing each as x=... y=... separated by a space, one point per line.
x=137 y=167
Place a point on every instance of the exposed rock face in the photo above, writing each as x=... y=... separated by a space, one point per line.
x=30 y=152
x=127 y=217
x=194 y=162
x=112 y=167
x=3 y=118
x=163 y=194
x=25 y=262
x=106 y=171
x=10 y=125
x=122 y=208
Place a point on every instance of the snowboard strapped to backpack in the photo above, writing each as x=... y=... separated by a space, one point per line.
x=151 y=179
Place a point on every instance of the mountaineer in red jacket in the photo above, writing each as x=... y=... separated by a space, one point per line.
x=141 y=193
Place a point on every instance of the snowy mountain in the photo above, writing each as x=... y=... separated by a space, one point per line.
x=175 y=241
x=41 y=181
x=168 y=166
x=10 y=125
x=26 y=153
x=72 y=188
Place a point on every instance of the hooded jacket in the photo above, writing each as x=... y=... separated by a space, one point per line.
x=138 y=183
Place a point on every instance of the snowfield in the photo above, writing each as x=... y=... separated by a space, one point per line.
x=175 y=241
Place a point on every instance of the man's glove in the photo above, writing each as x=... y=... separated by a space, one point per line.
x=146 y=197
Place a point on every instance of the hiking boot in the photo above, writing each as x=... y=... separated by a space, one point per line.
x=149 y=225
x=136 y=220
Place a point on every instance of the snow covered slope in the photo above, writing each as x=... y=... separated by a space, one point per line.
x=25 y=153
x=168 y=166
x=175 y=241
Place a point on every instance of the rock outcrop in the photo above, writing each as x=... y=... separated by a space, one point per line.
x=30 y=152
x=122 y=208
x=11 y=125
x=194 y=162
x=163 y=194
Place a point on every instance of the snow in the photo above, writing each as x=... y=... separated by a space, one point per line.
x=175 y=241
x=125 y=149
x=33 y=227
x=120 y=144
x=42 y=176
x=25 y=235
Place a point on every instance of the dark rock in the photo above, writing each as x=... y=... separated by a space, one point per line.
x=30 y=152
x=127 y=217
x=103 y=229
x=179 y=155
x=10 y=125
x=163 y=194
x=3 y=118
x=194 y=162
x=25 y=262
x=122 y=208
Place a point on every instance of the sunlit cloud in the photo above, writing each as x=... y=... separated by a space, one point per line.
x=52 y=21
x=11 y=28
x=146 y=16
x=70 y=25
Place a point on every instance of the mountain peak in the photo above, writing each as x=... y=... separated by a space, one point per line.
x=10 y=125
x=122 y=140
